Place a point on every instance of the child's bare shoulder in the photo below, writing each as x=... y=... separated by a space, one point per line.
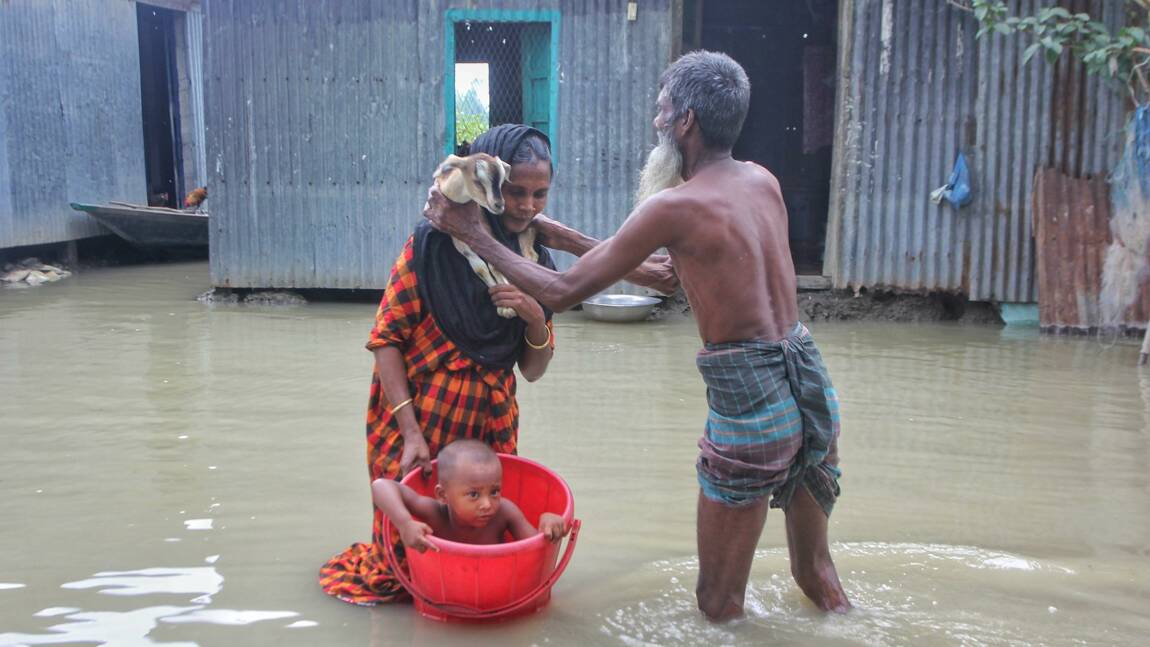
x=509 y=509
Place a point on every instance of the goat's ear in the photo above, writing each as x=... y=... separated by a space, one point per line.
x=481 y=170
x=452 y=163
x=506 y=168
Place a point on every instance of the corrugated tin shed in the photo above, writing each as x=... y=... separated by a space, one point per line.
x=326 y=119
x=69 y=115
x=916 y=88
x=1072 y=231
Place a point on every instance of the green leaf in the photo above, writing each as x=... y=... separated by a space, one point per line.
x=1030 y=52
x=1050 y=44
x=1002 y=28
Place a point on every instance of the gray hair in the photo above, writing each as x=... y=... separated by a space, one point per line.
x=716 y=88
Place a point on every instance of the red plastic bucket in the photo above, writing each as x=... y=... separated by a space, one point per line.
x=491 y=582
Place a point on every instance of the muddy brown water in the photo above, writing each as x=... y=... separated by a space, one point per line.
x=174 y=473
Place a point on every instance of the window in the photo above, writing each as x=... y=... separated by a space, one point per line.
x=472 y=101
x=500 y=69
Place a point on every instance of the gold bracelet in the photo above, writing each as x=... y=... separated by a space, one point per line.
x=545 y=344
x=401 y=405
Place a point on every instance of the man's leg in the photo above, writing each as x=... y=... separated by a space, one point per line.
x=727 y=537
x=811 y=563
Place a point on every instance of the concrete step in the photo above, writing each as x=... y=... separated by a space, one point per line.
x=813 y=282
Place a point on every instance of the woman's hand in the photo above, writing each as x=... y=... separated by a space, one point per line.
x=659 y=274
x=528 y=309
x=414 y=535
x=416 y=455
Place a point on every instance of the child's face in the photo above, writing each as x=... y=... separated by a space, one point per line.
x=473 y=493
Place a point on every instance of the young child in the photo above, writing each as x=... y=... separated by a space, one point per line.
x=467 y=507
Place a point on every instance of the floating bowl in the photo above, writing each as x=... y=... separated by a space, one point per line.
x=619 y=307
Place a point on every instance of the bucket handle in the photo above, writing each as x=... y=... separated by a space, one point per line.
x=471 y=612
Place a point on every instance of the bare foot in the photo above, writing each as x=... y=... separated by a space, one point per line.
x=823 y=588
x=718 y=608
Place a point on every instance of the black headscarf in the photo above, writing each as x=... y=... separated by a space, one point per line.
x=450 y=289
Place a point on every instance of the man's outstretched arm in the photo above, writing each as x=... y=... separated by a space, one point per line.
x=646 y=230
x=656 y=272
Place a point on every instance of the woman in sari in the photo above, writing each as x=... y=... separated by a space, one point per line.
x=445 y=359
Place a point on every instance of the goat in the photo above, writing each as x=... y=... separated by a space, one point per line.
x=479 y=178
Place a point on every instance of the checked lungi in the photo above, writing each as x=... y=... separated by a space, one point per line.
x=773 y=422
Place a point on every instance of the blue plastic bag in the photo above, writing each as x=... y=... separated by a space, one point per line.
x=956 y=191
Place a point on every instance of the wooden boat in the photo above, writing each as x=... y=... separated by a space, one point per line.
x=150 y=227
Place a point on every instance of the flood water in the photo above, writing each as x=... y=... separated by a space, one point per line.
x=174 y=473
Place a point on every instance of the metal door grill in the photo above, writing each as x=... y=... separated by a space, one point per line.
x=495 y=63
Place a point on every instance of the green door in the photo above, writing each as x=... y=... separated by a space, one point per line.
x=535 y=67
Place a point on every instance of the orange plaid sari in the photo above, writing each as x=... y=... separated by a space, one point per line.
x=454 y=398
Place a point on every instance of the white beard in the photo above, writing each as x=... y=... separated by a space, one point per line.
x=663 y=169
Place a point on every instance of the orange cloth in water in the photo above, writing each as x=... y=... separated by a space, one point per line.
x=453 y=398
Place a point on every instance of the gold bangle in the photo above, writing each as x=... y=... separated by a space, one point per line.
x=401 y=405
x=545 y=344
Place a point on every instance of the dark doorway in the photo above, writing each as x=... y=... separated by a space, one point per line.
x=159 y=95
x=788 y=48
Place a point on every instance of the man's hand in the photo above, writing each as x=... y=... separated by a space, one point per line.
x=416 y=455
x=552 y=526
x=462 y=221
x=512 y=297
x=414 y=535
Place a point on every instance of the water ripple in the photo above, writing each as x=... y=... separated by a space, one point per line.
x=131 y=628
x=904 y=594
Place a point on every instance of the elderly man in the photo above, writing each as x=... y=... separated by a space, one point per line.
x=772 y=427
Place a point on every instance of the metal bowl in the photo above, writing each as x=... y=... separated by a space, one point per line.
x=619 y=307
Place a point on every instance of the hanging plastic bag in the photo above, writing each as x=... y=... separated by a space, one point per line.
x=956 y=191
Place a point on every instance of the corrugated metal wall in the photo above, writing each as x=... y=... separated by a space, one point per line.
x=325 y=121
x=915 y=89
x=1072 y=231
x=69 y=115
x=194 y=37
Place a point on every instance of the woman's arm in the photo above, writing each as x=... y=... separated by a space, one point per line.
x=656 y=272
x=400 y=311
x=533 y=362
x=393 y=379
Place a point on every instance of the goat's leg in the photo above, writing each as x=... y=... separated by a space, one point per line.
x=485 y=272
x=527 y=245
x=478 y=265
